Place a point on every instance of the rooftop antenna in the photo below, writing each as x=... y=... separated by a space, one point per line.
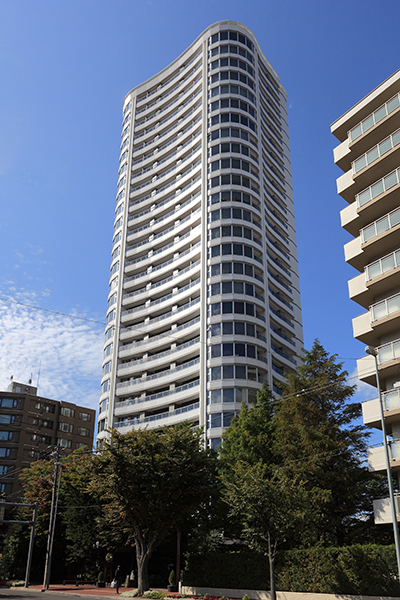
x=38 y=376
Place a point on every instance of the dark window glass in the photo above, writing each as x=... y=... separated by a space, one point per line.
x=224 y=133
x=225 y=103
x=214 y=64
x=238 y=268
x=250 y=329
x=226 y=308
x=245 y=182
x=215 y=289
x=225 y=118
x=215 y=182
x=215 y=120
x=215 y=165
x=228 y=395
x=249 y=289
x=238 y=287
x=214 y=198
x=234 y=132
x=223 y=35
x=236 y=148
x=247 y=215
x=234 y=61
x=234 y=118
x=247 y=233
x=227 y=287
x=215 y=373
x=225 y=196
x=243 y=105
x=214 y=38
x=216 y=351
x=225 y=163
x=225 y=179
x=227 y=418
x=216 y=329
x=215 y=150
x=234 y=76
x=237 y=231
x=227 y=349
x=242 y=65
x=225 y=147
x=215 y=396
x=215 y=420
x=226 y=249
x=245 y=150
x=245 y=166
x=215 y=134
x=236 y=212
x=246 y=198
x=242 y=39
x=214 y=77
x=233 y=35
x=242 y=52
x=227 y=328
x=239 y=308
x=215 y=251
x=228 y=372
x=215 y=309
x=248 y=251
x=224 y=74
x=237 y=249
x=237 y=196
x=234 y=102
x=226 y=268
x=235 y=163
x=249 y=309
x=240 y=372
x=235 y=179
x=224 y=49
x=224 y=88
x=215 y=270
x=226 y=231
x=215 y=215
x=248 y=270
x=225 y=213
x=239 y=328
x=240 y=350
x=215 y=105
x=251 y=351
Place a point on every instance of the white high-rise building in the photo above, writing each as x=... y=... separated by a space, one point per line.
x=204 y=300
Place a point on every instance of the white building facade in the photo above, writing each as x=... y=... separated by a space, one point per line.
x=204 y=300
x=369 y=155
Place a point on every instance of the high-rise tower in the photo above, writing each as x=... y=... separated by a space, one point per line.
x=204 y=301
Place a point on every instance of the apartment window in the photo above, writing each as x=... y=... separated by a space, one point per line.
x=48 y=424
x=83 y=431
x=7 y=419
x=8 y=402
x=49 y=408
x=5 y=452
x=66 y=427
x=41 y=439
x=3 y=469
x=5 y=435
x=63 y=443
x=84 y=416
x=79 y=445
x=67 y=412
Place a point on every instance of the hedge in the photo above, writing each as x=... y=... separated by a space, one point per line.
x=359 y=569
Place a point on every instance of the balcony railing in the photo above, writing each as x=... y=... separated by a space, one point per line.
x=384 y=224
x=177 y=390
x=376 y=152
x=389 y=352
x=158 y=375
x=383 y=265
x=374 y=118
x=164 y=415
x=378 y=188
x=385 y=308
x=391 y=399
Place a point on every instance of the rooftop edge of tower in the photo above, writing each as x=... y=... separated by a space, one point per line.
x=210 y=29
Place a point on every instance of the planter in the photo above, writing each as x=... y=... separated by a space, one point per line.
x=172 y=588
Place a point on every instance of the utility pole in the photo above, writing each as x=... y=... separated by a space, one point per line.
x=53 y=515
x=28 y=564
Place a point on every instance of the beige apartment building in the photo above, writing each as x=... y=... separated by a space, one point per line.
x=204 y=298
x=30 y=424
x=369 y=155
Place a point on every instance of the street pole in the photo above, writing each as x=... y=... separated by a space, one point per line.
x=28 y=565
x=52 y=521
x=373 y=352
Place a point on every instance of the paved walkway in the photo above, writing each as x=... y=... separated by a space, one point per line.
x=81 y=590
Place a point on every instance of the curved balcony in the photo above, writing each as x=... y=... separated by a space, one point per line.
x=173 y=417
x=391 y=410
x=184 y=371
x=187 y=391
x=388 y=363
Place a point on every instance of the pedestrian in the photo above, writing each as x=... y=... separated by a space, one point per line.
x=117 y=579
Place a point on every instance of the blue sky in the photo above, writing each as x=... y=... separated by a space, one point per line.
x=65 y=68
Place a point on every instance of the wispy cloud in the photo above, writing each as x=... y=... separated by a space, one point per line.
x=68 y=352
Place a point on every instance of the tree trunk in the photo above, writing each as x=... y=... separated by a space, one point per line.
x=271 y=559
x=143 y=571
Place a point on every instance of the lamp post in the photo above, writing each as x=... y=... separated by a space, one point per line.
x=373 y=352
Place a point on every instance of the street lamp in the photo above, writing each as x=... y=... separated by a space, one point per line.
x=373 y=352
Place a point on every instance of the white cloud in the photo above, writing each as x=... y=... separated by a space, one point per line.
x=68 y=351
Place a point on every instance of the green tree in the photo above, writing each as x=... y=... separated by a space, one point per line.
x=319 y=437
x=250 y=437
x=152 y=481
x=269 y=505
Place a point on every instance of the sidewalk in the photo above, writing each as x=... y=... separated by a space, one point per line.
x=80 y=590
